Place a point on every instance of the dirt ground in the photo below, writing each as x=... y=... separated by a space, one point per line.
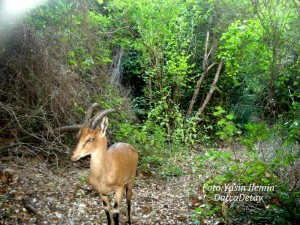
x=41 y=194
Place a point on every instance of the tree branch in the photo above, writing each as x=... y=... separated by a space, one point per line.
x=212 y=89
x=196 y=92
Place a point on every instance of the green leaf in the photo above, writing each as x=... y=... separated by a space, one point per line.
x=71 y=53
x=221 y=121
x=219 y=111
x=266 y=181
x=249 y=170
x=230 y=117
x=279 y=152
x=72 y=62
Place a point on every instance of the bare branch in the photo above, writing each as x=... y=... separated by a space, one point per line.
x=65 y=129
x=196 y=92
x=212 y=89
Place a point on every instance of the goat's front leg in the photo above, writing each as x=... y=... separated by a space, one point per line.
x=117 y=205
x=107 y=208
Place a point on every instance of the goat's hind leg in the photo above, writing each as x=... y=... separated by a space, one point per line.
x=129 y=187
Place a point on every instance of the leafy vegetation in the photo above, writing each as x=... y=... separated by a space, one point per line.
x=215 y=82
x=258 y=165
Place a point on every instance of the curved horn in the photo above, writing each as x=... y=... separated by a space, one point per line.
x=87 y=120
x=96 y=119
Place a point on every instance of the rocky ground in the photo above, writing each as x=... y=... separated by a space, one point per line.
x=32 y=192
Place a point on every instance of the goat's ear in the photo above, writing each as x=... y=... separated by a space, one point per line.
x=104 y=125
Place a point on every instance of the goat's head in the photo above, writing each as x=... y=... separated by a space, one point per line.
x=90 y=133
x=90 y=139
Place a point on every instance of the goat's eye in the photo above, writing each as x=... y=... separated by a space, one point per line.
x=90 y=140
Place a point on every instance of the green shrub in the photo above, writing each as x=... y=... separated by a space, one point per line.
x=268 y=162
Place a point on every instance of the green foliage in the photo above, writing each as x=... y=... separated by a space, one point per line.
x=171 y=169
x=2 y=198
x=112 y=99
x=226 y=169
x=178 y=128
x=255 y=133
x=167 y=39
x=246 y=168
x=242 y=46
x=78 y=33
x=83 y=179
x=148 y=139
x=155 y=144
x=290 y=125
x=160 y=37
x=227 y=128
x=258 y=59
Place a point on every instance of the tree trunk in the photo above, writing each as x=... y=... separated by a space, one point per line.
x=205 y=52
x=196 y=92
x=212 y=89
x=116 y=66
x=203 y=75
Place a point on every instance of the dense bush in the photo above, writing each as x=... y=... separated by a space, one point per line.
x=49 y=77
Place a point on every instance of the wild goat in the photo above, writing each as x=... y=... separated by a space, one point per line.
x=113 y=169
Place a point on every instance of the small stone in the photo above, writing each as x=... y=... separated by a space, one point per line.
x=58 y=215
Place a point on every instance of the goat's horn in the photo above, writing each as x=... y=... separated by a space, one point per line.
x=96 y=119
x=87 y=120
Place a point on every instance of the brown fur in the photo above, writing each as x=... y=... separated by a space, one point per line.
x=113 y=170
